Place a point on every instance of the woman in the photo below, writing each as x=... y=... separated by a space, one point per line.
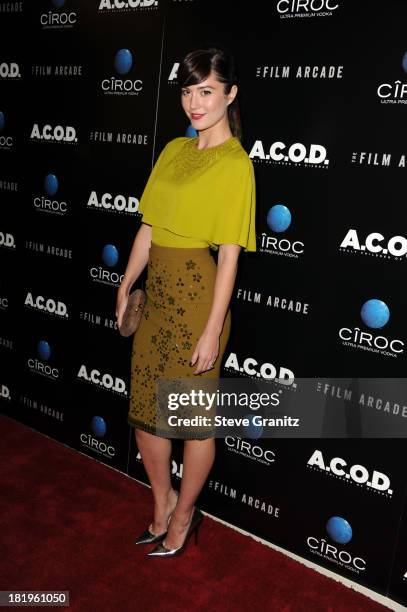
x=200 y=196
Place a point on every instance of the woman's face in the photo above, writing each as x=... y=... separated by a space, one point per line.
x=205 y=104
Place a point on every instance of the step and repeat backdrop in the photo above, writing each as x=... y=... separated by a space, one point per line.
x=89 y=97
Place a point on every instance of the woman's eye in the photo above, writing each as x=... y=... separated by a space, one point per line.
x=206 y=91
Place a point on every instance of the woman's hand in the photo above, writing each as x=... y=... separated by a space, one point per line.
x=206 y=351
x=121 y=304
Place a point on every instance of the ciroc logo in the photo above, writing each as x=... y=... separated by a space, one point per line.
x=340 y=532
x=306 y=8
x=123 y=63
x=375 y=314
x=279 y=220
x=91 y=442
x=48 y=203
x=6 y=142
x=394 y=92
x=251 y=451
x=56 y=19
x=110 y=258
x=40 y=364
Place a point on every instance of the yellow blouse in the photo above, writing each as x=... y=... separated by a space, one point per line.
x=165 y=237
x=201 y=197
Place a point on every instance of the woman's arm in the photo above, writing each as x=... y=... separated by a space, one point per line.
x=138 y=260
x=207 y=348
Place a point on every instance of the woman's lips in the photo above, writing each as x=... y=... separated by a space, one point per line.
x=193 y=116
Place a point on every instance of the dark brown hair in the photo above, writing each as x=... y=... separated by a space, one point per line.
x=196 y=67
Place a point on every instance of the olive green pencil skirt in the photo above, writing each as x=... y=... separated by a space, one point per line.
x=180 y=288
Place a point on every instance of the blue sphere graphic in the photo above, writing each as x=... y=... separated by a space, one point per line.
x=191 y=132
x=51 y=184
x=123 y=61
x=110 y=255
x=278 y=218
x=58 y=3
x=2 y=121
x=98 y=426
x=404 y=62
x=44 y=350
x=375 y=313
x=252 y=431
x=339 y=530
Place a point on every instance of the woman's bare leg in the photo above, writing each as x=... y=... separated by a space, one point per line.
x=156 y=453
x=198 y=459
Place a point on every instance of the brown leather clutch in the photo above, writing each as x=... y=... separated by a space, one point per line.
x=132 y=314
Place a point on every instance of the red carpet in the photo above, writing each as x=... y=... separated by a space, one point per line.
x=69 y=523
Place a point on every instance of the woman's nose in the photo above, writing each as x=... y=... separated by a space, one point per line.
x=193 y=103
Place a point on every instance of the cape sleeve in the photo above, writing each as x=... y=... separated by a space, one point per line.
x=235 y=222
x=143 y=206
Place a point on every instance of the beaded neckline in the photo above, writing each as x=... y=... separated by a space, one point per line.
x=190 y=160
x=225 y=143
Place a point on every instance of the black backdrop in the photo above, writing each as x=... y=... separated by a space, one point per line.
x=323 y=105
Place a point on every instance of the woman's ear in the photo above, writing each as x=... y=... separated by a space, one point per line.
x=232 y=94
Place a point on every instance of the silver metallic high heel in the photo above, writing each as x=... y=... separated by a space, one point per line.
x=163 y=551
x=148 y=537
